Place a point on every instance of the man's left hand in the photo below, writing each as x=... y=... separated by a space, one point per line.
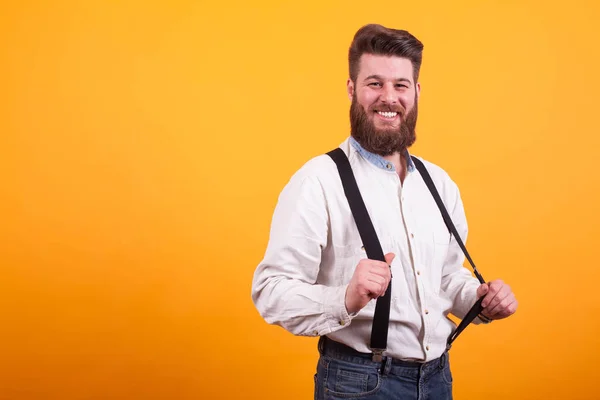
x=499 y=301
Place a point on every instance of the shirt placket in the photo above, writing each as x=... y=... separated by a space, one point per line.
x=410 y=224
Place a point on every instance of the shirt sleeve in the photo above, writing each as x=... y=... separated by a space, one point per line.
x=457 y=281
x=284 y=288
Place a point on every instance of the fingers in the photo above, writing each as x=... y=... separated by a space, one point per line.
x=375 y=289
x=369 y=281
x=371 y=286
x=506 y=307
x=510 y=309
x=381 y=285
x=377 y=279
x=389 y=257
x=375 y=267
x=482 y=290
x=499 y=302
x=375 y=276
x=491 y=298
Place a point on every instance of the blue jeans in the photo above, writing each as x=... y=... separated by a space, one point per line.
x=343 y=373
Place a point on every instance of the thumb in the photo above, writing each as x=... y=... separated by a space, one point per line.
x=482 y=290
x=389 y=257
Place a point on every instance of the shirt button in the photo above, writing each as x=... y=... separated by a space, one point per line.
x=342 y=323
x=426 y=311
x=316 y=333
x=362 y=248
x=418 y=272
x=427 y=348
x=412 y=235
x=388 y=166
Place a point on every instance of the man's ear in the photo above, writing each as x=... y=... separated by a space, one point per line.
x=350 y=88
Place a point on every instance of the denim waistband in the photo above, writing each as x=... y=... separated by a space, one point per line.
x=338 y=350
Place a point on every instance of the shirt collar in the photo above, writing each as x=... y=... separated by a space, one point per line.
x=379 y=161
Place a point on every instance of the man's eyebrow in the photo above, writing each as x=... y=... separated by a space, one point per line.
x=380 y=78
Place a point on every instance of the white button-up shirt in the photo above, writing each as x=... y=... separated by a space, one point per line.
x=314 y=248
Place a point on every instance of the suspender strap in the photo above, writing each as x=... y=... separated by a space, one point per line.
x=379 y=330
x=476 y=309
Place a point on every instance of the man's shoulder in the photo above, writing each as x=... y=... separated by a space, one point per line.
x=318 y=171
x=313 y=180
x=434 y=169
x=440 y=177
x=321 y=167
x=318 y=166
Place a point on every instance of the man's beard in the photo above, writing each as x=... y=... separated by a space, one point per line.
x=383 y=142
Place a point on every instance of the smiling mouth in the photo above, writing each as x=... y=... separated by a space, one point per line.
x=388 y=114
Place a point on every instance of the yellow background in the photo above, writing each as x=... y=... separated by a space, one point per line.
x=143 y=146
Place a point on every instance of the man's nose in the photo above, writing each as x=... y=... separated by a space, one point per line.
x=389 y=95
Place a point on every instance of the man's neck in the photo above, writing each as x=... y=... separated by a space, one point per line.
x=399 y=163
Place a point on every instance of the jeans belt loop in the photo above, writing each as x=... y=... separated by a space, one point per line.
x=388 y=365
x=443 y=359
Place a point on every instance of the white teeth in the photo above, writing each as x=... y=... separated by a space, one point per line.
x=387 y=114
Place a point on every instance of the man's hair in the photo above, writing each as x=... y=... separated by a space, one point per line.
x=379 y=40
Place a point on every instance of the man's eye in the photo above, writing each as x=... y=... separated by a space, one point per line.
x=401 y=86
x=374 y=84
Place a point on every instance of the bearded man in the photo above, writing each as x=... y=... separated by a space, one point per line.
x=316 y=279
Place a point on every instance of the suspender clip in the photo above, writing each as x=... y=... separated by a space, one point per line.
x=378 y=355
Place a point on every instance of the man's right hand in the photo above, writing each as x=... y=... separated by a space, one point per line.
x=369 y=281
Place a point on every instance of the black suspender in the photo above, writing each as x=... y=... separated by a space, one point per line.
x=381 y=319
x=476 y=309
x=379 y=332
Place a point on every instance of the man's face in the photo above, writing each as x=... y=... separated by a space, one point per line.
x=384 y=108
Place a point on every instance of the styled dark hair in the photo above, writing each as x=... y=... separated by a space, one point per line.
x=379 y=40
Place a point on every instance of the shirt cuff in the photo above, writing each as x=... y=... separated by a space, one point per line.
x=335 y=310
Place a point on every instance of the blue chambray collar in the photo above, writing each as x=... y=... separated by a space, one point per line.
x=379 y=161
